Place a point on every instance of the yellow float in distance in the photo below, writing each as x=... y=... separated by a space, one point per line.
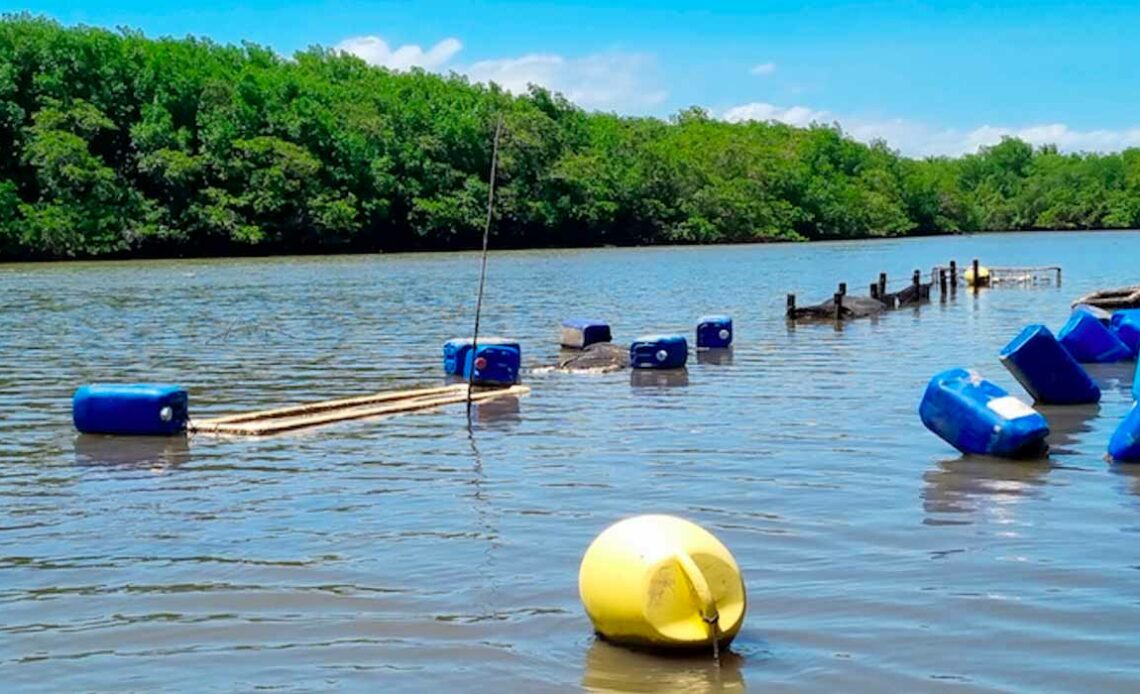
x=983 y=278
x=661 y=581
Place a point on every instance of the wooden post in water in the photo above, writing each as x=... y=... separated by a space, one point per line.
x=791 y=306
x=874 y=290
x=942 y=281
x=882 y=284
x=838 y=299
x=843 y=289
x=954 y=274
x=1058 y=277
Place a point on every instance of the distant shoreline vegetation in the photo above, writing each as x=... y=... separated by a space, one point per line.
x=113 y=145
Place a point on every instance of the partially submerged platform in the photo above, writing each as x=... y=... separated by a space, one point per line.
x=285 y=419
x=1112 y=299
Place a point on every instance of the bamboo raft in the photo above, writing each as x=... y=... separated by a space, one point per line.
x=285 y=419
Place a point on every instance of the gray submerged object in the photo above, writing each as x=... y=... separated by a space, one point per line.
x=600 y=356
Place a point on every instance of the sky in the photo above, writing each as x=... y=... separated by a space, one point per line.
x=930 y=78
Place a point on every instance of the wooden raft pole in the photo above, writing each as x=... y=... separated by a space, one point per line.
x=280 y=420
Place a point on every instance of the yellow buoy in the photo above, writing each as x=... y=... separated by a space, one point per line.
x=661 y=581
x=983 y=278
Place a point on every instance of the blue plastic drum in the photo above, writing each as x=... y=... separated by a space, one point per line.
x=978 y=417
x=580 y=333
x=1089 y=341
x=659 y=352
x=714 y=332
x=1124 y=447
x=1046 y=370
x=136 y=409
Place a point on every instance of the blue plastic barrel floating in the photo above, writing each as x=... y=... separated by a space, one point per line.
x=714 y=332
x=978 y=417
x=580 y=333
x=493 y=364
x=455 y=352
x=659 y=352
x=1126 y=326
x=131 y=409
x=1105 y=317
x=1124 y=446
x=1046 y=370
x=1089 y=341
x=1136 y=384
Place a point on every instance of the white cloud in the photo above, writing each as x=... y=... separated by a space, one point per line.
x=626 y=82
x=760 y=111
x=763 y=69
x=914 y=138
x=610 y=80
x=376 y=51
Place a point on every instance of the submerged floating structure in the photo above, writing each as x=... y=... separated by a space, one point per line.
x=1046 y=369
x=979 y=417
x=293 y=418
x=1112 y=299
x=141 y=409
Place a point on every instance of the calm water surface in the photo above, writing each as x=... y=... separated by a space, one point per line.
x=404 y=555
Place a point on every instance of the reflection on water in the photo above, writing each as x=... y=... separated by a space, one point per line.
x=498 y=413
x=159 y=452
x=611 y=668
x=715 y=357
x=1068 y=425
x=981 y=485
x=1116 y=376
x=658 y=378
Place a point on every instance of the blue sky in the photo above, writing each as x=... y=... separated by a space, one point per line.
x=930 y=78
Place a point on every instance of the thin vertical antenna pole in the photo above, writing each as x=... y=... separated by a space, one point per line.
x=483 y=270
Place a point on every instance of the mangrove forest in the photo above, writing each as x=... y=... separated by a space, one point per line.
x=113 y=144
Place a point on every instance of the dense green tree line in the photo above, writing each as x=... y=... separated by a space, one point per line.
x=113 y=144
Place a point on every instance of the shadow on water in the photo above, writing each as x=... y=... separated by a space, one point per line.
x=132 y=451
x=972 y=484
x=654 y=378
x=499 y=413
x=1067 y=425
x=715 y=357
x=612 y=668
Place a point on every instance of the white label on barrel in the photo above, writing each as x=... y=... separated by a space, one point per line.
x=1010 y=407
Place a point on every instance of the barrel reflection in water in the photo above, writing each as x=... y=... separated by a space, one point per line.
x=617 y=669
x=132 y=451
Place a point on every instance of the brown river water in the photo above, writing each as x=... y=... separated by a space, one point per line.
x=408 y=555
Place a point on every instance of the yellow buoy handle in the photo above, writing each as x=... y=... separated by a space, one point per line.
x=709 y=613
